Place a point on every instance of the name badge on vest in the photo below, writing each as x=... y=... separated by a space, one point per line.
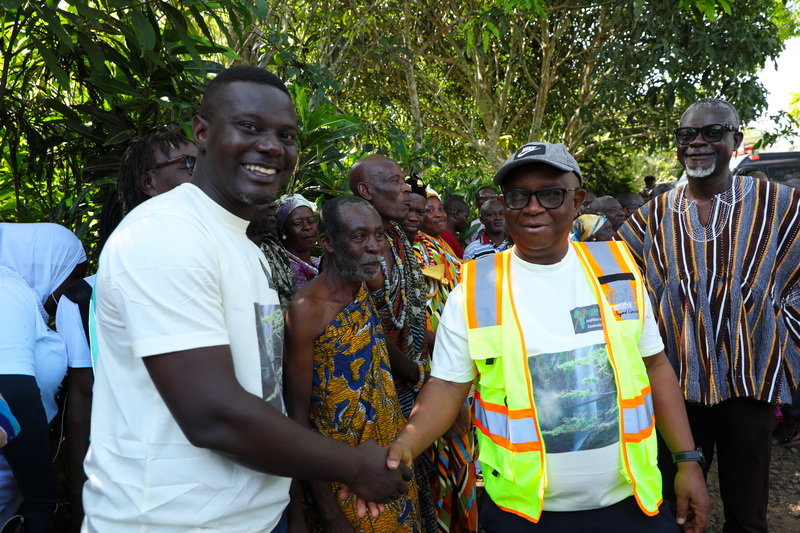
x=621 y=296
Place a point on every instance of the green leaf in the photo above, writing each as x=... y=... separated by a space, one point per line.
x=143 y=30
x=112 y=86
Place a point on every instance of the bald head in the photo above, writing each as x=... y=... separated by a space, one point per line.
x=380 y=181
x=609 y=207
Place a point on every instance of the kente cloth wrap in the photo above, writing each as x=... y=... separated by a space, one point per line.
x=726 y=294
x=353 y=399
x=585 y=226
x=441 y=269
x=280 y=268
x=453 y=483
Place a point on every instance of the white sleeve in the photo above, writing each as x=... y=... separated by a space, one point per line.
x=18 y=318
x=451 y=360
x=70 y=326
x=650 y=343
x=163 y=290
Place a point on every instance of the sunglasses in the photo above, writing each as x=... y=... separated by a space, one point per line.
x=189 y=160
x=517 y=199
x=487 y=196
x=711 y=133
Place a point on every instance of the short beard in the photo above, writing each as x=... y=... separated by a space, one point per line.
x=355 y=271
x=701 y=172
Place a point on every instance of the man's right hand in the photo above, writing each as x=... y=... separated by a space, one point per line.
x=375 y=482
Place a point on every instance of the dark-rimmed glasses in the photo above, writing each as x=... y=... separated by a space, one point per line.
x=490 y=196
x=186 y=158
x=711 y=133
x=517 y=199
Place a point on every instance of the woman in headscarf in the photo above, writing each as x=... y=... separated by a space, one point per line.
x=297 y=228
x=37 y=262
x=592 y=228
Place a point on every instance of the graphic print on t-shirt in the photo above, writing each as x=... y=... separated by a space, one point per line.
x=269 y=327
x=576 y=399
x=586 y=319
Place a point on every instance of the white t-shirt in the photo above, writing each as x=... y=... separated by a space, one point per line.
x=572 y=379
x=70 y=326
x=178 y=273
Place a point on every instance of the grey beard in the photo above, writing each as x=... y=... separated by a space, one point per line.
x=701 y=172
x=354 y=271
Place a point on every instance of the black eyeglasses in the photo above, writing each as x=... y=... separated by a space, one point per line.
x=487 y=196
x=517 y=199
x=186 y=158
x=711 y=133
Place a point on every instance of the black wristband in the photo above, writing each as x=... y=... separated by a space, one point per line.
x=692 y=455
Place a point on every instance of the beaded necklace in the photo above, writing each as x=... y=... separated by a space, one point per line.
x=398 y=322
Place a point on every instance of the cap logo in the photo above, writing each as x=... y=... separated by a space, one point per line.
x=533 y=149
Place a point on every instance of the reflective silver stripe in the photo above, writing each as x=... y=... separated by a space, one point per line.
x=620 y=293
x=485 y=298
x=639 y=418
x=523 y=431
x=494 y=422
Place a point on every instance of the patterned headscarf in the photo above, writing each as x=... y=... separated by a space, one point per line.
x=585 y=226
x=288 y=203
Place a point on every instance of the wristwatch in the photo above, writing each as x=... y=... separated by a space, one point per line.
x=692 y=455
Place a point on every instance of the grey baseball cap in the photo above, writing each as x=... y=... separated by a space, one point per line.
x=555 y=155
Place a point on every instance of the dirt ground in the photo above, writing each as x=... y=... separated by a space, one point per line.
x=784 y=492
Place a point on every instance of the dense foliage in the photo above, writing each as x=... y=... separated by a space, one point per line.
x=447 y=88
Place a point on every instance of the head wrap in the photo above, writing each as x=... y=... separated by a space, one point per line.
x=585 y=226
x=288 y=203
x=417 y=185
x=43 y=254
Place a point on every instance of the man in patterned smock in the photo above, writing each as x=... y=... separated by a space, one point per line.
x=721 y=260
x=338 y=380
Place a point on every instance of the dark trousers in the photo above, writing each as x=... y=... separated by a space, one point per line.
x=622 y=517
x=28 y=454
x=740 y=430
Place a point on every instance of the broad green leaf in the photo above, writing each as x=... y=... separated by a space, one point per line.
x=143 y=30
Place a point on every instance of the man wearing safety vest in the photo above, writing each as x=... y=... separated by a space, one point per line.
x=571 y=374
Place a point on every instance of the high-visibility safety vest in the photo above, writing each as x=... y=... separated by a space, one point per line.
x=510 y=442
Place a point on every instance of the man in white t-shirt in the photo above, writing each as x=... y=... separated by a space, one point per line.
x=571 y=373
x=188 y=425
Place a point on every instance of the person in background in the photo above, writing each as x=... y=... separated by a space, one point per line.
x=592 y=228
x=37 y=263
x=453 y=463
x=661 y=188
x=492 y=238
x=720 y=255
x=154 y=164
x=297 y=228
x=610 y=208
x=587 y=202
x=261 y=231
x=151 y=165
x=483 y=195
x=457 y=212
x=630 y=202
x=399 y=296
x=338 y=381
x=416 y=208
x=649 y=183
